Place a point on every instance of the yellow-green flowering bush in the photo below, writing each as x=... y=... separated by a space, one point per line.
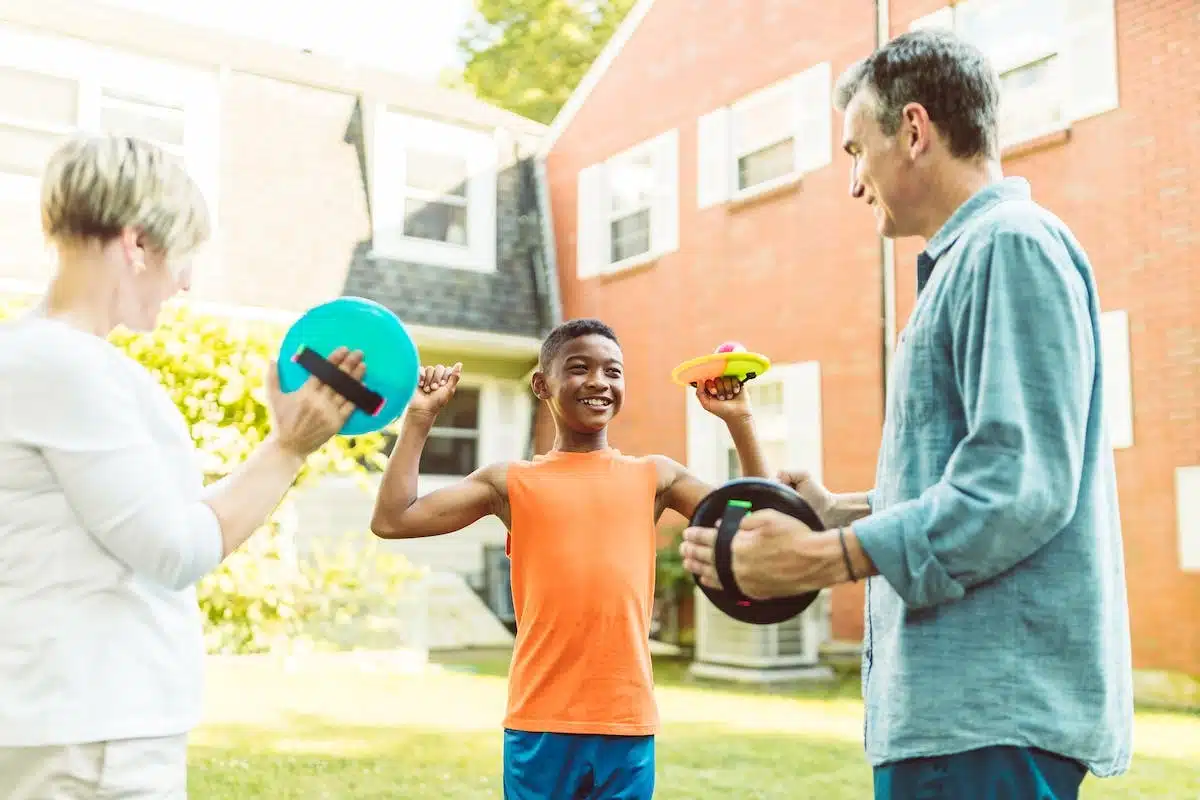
x=262 y=597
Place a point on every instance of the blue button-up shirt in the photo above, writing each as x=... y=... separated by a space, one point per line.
x=1000 y=614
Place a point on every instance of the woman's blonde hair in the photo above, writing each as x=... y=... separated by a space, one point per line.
x=96 y=186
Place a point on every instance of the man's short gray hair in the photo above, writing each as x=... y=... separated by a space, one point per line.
x=952 y=79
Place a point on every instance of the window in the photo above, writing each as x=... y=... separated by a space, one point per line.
x=52 y=87
x=435 y=193
x=435 y=202
x=631 y=191
x=1057 y=59
x=453 y=444
x=628 y=212
x=36 y=112
x=787 y=411
x=126 y=114
x=483 y=423
x=766 y=398
x=766 y=139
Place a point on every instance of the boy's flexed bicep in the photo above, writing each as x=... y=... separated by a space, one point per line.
x=678 y=488
x=447 y=509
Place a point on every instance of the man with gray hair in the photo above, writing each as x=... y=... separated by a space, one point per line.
x=997 y=651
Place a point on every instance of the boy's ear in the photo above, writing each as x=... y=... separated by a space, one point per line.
x=540 y=389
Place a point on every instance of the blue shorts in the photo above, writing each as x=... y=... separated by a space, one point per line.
x=990 y=773
x=571 y=766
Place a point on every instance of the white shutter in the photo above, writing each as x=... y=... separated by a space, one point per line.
x=591 y=224
x=503 y=422
x=1187 y=504
x=942 y=18
x=1118 y=379
x=714 y=159
x=802 y=401
x=706 y=442
x=481 y=196
x=813 y=108
x=1091 y=53
x=664 y=214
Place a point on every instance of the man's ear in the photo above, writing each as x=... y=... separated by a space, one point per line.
x=540 y=390
x=917 y=128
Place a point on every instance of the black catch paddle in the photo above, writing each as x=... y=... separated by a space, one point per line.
x=723 y=509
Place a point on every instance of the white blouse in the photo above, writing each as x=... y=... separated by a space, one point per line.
x=102 y=537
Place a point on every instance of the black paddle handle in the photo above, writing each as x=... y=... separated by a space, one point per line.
x=327 y=373
x=722 y=552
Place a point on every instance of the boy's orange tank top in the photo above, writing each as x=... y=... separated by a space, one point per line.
x=582 y=545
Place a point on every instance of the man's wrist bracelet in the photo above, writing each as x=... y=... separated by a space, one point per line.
x=846 y=555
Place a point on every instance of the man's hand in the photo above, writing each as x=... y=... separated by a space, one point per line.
x=773 y=555
x=724 y=398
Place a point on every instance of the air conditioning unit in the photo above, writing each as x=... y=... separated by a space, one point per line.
x=785 y=651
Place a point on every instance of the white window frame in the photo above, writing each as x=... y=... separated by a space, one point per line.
x=809 y=95
x=798 y=427
x=394 y=131
x=95 y=68
x=778 y=93
x=1187 y=510
x=1077 y=86
x=644 y=150
x=595 y=214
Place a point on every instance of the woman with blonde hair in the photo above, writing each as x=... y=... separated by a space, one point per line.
x=105 y=524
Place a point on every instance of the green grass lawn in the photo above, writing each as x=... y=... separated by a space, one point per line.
x=334 y=729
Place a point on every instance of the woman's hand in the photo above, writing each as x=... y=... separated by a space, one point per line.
x=304 y=420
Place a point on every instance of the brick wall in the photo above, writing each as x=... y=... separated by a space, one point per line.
x=797 y=275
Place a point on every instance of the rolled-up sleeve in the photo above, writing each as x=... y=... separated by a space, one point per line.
x=1024 y=359
x=90 y=427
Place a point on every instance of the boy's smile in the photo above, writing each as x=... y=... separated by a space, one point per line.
x=586 y=383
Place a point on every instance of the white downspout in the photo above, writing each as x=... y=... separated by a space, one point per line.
x=887 y=245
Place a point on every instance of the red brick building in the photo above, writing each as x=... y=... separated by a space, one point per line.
x=699 y=194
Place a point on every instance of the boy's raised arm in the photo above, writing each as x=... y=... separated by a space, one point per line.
x=399 y=513
x=682 y=491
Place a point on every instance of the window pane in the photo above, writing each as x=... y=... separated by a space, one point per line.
x=765 y=398
x=763 y=121
x=440 y=174
x=1030 y=101
x=448 y=456
x=631 y=183
x=630 y=236
x=35 y=98
x=24 y=152
x=440 y=222
x=767 y=164
x=462 y=412
x=1012 y=32
x=123 y=115
x=774 y=452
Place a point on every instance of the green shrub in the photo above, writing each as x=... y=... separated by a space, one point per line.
x=263 y=597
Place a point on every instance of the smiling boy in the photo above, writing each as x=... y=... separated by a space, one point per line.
x=581 y=716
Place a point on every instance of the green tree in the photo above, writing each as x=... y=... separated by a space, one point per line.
x=529 y=55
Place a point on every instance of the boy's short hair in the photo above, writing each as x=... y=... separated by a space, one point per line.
x=96 y=185
x=568 y=331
